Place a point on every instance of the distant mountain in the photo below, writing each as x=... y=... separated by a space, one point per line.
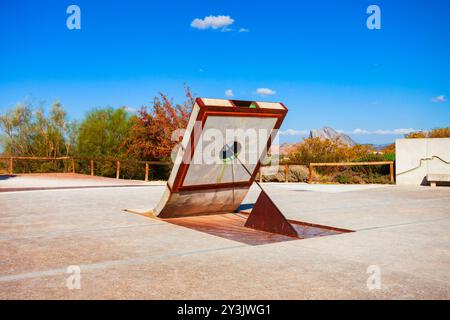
x=331 y=134
x=380 y=147
x=287 y=148
x=324 y=133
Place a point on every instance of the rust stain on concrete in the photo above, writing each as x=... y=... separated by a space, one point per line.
x=231 y=226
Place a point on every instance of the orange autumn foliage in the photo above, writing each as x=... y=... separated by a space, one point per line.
x=151 y=135
x=434 y=133
x=324 y=150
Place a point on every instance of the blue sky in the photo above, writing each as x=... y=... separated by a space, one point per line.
x=318 y=57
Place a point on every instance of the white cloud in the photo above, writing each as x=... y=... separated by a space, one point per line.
x=243 y=30
x=293 y=132
x=229 y=93
x=265 y=91
x=438 y=99
x=130 y=109
x=359 y=131
x=214 y=22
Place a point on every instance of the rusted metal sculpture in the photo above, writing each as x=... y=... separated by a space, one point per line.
x=199 y=188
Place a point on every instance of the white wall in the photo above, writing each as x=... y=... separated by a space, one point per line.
x=415 y=158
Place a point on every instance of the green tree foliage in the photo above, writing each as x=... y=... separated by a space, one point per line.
x=30 y=132
x=102 y=133
x=17 y=127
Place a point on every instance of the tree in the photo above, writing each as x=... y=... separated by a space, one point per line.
x=102 y=133
x=28 y=131
x=151 y=135
x=17 y=126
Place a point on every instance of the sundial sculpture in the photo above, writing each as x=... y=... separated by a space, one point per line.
x=200 y=187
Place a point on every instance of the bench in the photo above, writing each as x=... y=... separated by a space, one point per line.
x=437 y=177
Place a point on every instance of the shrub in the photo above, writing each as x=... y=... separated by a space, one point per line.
x=343 y=178
x=416 y=135
x=323 y=150
x=434 y=133
x=439 y=133
x=389 y=149
x=389 y=156
x=297 y=173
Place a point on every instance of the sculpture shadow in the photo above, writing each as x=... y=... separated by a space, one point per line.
x=6 y=176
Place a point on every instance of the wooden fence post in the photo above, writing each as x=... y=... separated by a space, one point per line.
x=310 y=174
x=73 y=165
x=146 y=170
x=11 y=166
x=92 y=167
x=391 y=171
x=118 y=170
x=286 y=172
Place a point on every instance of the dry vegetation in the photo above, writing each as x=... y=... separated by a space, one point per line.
x=435 y=133
x=322 y=150
x=147 y=135
x=103 y=133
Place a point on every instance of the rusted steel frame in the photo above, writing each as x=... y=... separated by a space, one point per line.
x=266 y=216
x=206 y=111
x=224 y=185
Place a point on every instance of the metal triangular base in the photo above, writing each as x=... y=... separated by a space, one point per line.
x=265 y=216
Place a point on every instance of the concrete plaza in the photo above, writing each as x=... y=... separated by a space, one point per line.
x=59 y=221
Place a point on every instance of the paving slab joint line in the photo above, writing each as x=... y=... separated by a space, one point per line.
x=304 y=245
x=75 y=231
x=370 y=205
x=111 y=263
x=400 y=224
x=78 y=188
